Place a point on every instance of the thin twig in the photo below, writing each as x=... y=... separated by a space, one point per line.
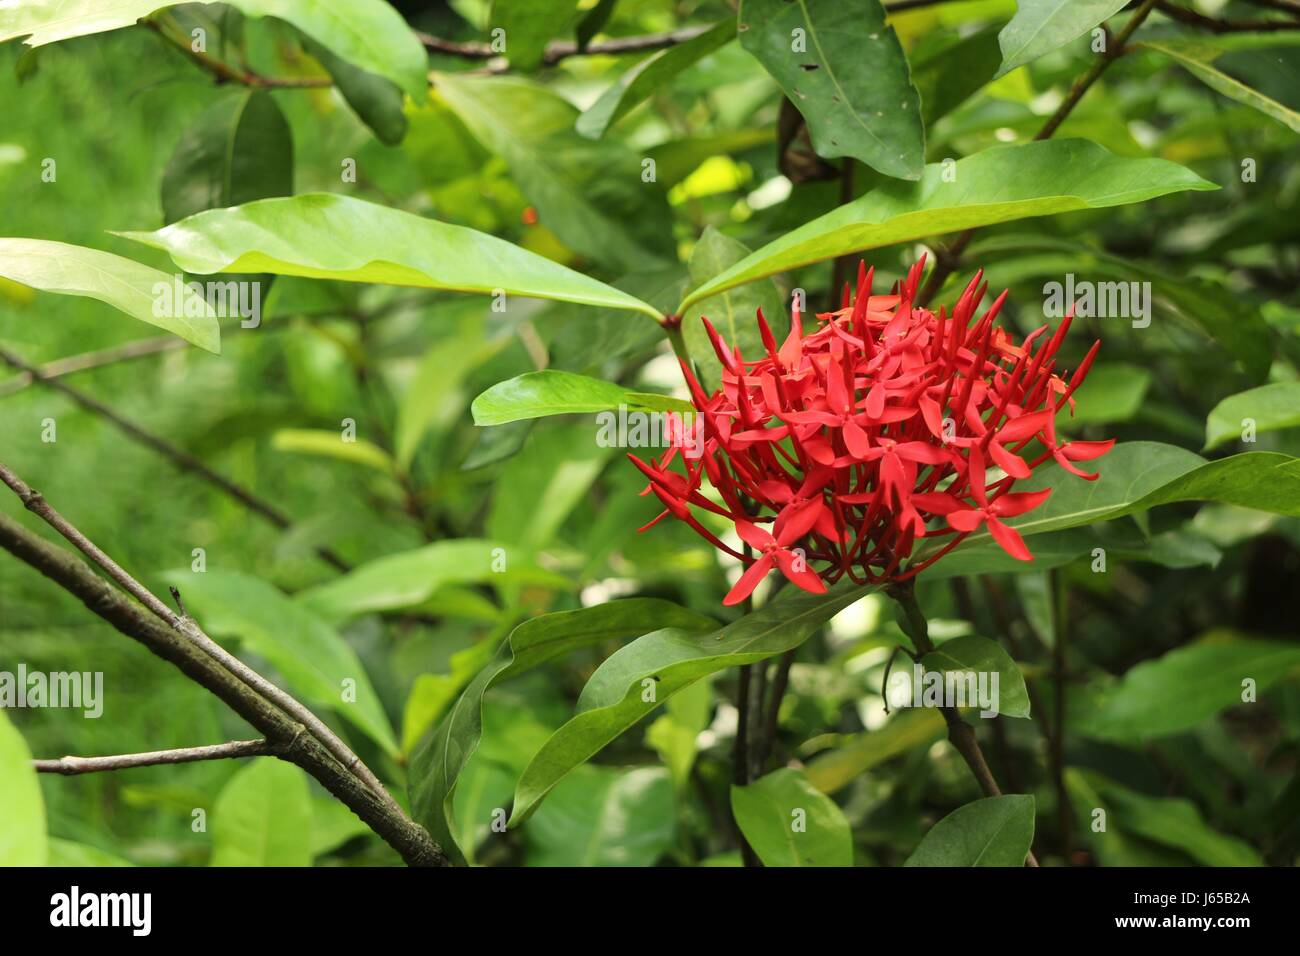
x=36 y=503
x=296 y=744
x=1215 y=25
x=71 y=766
x=770 y=726
x=559 y=50
x=225 y=73
x=139 y=348
x=182 y=459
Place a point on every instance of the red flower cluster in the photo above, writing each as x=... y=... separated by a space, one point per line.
x=877 y=429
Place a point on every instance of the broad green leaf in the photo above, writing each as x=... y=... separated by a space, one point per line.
x=1259 y=71
x=995 y=185
x=616 y=218
x=648 y=77
x=789 y=822
x=315 y=661
x=552 y=392
x=377 y=101
x=369 y=33
x=1269 y=408
x=1185 y=687
x=1169 y=821
x=326 y=236
x=407 y=578
x=1113 y=392
x=975 y=656
x=139 y=291
x=238 y=150
x=331 y=444
x=527 y=25
x=72 y=853
x=733 y=313
x=432 y=694
x=438 y=763
x=1041 y=26
x=995 y=831
x=262 y=817
x=844 y=69
x=669 y=660
x=905 y=730
x=946 y=76
x=602 y=816
x=22 y=810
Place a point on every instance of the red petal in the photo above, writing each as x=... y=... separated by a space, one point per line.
x=805 y=578
x=1008 y=506
x=1013 y=465
x=749 y=580
x=754 y=536
x=1010 y=540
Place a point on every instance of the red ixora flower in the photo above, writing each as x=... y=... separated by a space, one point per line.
x=841 y=446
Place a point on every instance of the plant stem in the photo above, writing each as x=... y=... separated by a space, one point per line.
x=71 y=766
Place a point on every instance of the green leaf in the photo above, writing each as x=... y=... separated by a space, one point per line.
x=262 y=817
x=330 y=444
x=1041 y=26
x=438 y=763
x=789 y=822
x=377 y=101
x=552 y=392
x=72 y=853
x=949 y=74
x=615 y=218
x=905 y=730
x=674 y=736
x=978 y=655
x=846 y=73
x=995 y=831
x=1185 y=687
x=995 y=185
x=137 y=290
x=315 y=661
x=1113 y=392
x=1169 y=821
x=528 y=25
x=325 y=236
x=22 y=811
x=602 y=816
x=1258 y=71
x=648 y=77
x=734 y=312
x=238 y=150
x=407 y=578
x=619 y=693
x=332 y=824
x=1270 y=407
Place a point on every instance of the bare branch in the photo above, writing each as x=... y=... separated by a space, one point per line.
x=71 y=766
x=96 y=359
x=1215 y=25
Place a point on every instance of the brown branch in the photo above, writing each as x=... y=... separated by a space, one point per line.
x=71 y=766
x=772 y=722
x=558 y=50
x=948 y=259
x=184 y=460
x=140 y=348
x=225 y=73
x=295 y=743
x=1215 y=25
x=35 y=503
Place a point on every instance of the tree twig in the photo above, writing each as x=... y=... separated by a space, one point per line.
x=184 y=460
x=296 y=744
x=1215 y=25
x=225 y=73
x=71 y=766
x=34 y=502
x=139 y=348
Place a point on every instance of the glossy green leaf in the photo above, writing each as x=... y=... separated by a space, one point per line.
x=640 y=676
x=326 y=236
x=733 y=312
x=22 y=810
x=1041 y=26
x=845 y=71
x=438 y=763
x=315 y=661
x=996 y=185
x=995 y=831
x=262 y=817
x=369 y=33
x=1258 y=71
x=1269 y=408
x=602 y=816
x=1169 y=821
x=1186 y=686
x=330 y=444
x=648 y=77
x=552 y=392
x=377 y=101
x=789 y=822
x=238 y=150
x=976 y=656
x=617 y=218
x=528 y=25
x=947 y=75
x=139 y=291
x=407 y=578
